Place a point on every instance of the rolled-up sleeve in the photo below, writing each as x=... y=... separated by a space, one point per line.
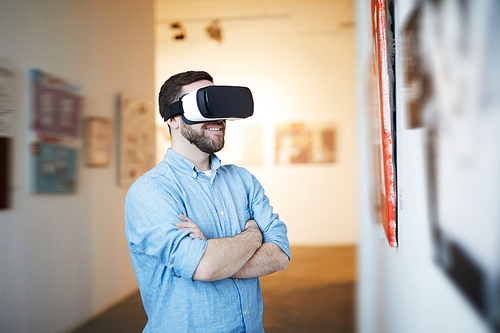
x=151 y=213
x=273 y=229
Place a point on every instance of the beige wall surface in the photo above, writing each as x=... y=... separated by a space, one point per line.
x=64 y=258
x=297 y=57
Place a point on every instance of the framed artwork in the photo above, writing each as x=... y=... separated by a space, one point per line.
x=56 y=105
x=298 y=143
x=55 y=133
x=54 y=168
x=137 y=131
x=416 y=78
x=460 y=44
x=5 y=170
x=7 y=112
x=7 y=97
x=384 y=120
x=97 y=141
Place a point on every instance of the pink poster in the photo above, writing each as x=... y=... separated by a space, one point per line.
x=56 y=106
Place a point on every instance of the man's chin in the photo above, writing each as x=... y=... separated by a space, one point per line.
x=218 y=148
x=211 y=149
x=218 y=143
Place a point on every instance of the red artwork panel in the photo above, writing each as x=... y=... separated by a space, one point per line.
x=384 y=89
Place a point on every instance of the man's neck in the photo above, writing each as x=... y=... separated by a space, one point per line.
x=200 y=159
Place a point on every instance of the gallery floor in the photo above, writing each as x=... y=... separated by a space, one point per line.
x=315 y=294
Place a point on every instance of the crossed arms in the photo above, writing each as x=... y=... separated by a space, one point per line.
x=240 y=256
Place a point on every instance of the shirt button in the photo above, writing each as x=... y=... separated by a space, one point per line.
x=222 y=213
x=245 y=313
x=194 y=174
x=237 y=279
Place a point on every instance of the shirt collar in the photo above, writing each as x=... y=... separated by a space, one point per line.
x=175 y=159
x=214 y=162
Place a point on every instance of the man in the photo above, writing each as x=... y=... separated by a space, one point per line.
x=200 y=234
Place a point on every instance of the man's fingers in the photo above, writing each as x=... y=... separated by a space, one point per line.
x=190 y=226
x=197 y=235
x=185 y=218
x=185 y=225
x=192 y=229
x=251 y=223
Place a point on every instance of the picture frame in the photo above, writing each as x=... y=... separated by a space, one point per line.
x=54 y=168
x=8 y=97
x=305 y=143
x=55 y=133
x=461 y=146
x=383 y=88
x=98 y=134
x=136 y=138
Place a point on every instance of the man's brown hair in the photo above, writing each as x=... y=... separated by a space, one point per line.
x=171 y=90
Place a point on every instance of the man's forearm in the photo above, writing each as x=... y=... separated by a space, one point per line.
x=223 y=257
x=269 y=258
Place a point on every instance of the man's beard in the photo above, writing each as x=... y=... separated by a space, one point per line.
x=201 y=140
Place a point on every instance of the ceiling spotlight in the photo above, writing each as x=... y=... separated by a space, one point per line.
x=181 y=33
x=214 y=31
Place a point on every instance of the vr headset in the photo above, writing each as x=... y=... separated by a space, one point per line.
x=212 y=103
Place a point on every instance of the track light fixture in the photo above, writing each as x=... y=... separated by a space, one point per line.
x=181 y=31
x=214 y=31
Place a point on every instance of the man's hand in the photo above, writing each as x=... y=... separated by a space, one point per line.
x=269 y=258
x=251 y=225
x=191 y=226
x=225 y=256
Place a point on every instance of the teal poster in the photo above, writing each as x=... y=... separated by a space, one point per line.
x=54 y=168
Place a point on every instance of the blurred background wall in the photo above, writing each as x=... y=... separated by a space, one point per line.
x=64 y=258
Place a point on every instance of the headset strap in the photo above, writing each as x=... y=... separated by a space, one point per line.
x=173 y=110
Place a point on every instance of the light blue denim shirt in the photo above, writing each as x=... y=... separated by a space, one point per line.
x=165 y=259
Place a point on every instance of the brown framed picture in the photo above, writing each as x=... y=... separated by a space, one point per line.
x=97 y=141
x=136 y=138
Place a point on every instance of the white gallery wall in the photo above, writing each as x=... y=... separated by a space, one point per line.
x=64 y=258
x=403 y=289
x=298 y=59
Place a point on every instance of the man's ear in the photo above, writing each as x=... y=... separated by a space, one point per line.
x=174 y=122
